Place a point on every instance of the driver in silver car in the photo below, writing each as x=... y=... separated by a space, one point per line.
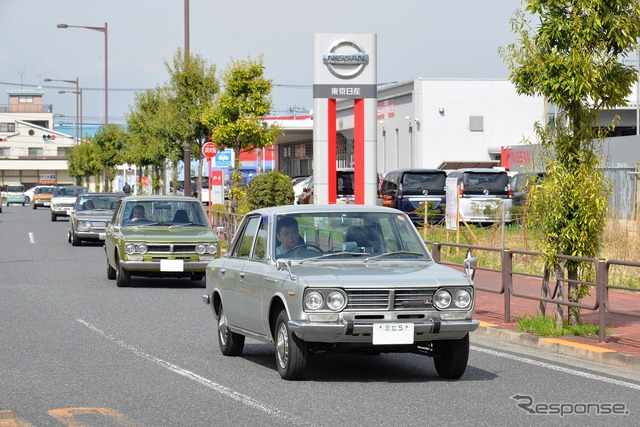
x=288 y=235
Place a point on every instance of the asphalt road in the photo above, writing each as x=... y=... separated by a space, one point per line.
x=77 y=350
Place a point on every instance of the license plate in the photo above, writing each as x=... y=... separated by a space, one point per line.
x=392 y=333
x=47 y=204
x=171 y=265
x=103 y=236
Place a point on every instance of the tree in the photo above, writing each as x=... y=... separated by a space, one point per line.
x=192 y=88
x=109 y=140
x=83 y=160
x=572 y=58
x=153 y=136
x=236 y=118
x=270 y=189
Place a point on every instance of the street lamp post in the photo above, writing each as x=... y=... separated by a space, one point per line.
x=77 y=92
x=106 y=62
x=187 y=145
x=104 y=30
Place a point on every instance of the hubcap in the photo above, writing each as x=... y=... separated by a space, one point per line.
x=282 y=346
x=222 y=328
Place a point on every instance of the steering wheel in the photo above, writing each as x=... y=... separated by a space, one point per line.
x=306 y=245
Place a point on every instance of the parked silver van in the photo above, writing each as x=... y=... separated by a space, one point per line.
x=484 y=195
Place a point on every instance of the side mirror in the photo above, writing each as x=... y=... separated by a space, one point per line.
x=470 y=264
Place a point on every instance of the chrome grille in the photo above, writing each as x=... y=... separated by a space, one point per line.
x=171 y=248
x=368 y=300
x=384 y=299
x=413 y=298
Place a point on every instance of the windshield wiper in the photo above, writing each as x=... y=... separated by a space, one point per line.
x=336 y=254
x=394 y=254
x=184 y=224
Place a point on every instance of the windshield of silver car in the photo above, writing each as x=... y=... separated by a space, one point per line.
x=334 y=235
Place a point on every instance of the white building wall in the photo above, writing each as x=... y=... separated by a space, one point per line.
x=446 y=107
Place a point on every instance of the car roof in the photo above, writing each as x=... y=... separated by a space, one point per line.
x=151 y=197
x=347 y=208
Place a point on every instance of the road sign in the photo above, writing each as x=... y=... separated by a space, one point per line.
x=224 y=158
x=209 y=150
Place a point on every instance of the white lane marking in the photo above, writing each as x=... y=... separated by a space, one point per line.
x=32 y=238
x=239 y=397
x=558 y=368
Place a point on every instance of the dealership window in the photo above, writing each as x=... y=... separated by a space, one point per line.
x=7 y=127
x=5 y=151
x=62 y=151
x=35 y=152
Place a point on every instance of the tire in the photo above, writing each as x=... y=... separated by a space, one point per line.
x=111 y=272
x=75 y=241
x=53 y=217
x=123 y=277
x=451 y=357
x=231 y=344
x=34 y=206
x=196 y=276
x=69 y=236
x=27 y=200
x=291 y=351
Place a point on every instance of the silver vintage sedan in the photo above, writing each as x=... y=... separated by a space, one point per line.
x=315 y=278
x=88 y=220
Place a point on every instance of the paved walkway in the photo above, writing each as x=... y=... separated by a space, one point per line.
x=622 y=342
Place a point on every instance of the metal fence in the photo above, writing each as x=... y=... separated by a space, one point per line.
x=547 y=288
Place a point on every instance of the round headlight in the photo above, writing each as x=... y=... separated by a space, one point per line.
x=201 y=248
x=462 y=298
x=442 y=299
x=336 y=301
x=213 y=248
x=129 y=248
x=313 y=300
x=142 y=248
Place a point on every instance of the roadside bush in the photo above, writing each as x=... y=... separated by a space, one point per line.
x=270 y=189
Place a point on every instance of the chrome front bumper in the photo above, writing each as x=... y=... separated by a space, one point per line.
x=349 y=331
x=188 y=266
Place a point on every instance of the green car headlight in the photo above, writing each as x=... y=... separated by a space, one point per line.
x=142 y=248
x=213 y=248
x=129 y=248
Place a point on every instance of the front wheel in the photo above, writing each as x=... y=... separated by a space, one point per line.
x=53 y=217
x=451 y=357
x=231 y=344
x=291 y=351
x=123 y=277
x=75 y=241
x=111 y=272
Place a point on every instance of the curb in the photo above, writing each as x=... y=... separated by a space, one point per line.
x=560 y=346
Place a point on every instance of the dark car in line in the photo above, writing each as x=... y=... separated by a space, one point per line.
x=409 y=189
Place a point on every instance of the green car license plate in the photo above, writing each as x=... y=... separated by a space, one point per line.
x=392 y=333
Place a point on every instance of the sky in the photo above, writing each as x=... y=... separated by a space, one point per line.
x=415 y=38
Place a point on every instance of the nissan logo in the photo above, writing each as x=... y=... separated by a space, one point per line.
x=345 y=64
x=485 y=192
x=425 y=192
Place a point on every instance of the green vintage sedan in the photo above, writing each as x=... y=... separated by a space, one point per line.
x=159 y=236
x=310 y=279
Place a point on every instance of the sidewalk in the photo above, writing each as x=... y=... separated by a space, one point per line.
x=622 y=343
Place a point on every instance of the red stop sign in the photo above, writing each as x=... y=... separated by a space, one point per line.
x=209 y=149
